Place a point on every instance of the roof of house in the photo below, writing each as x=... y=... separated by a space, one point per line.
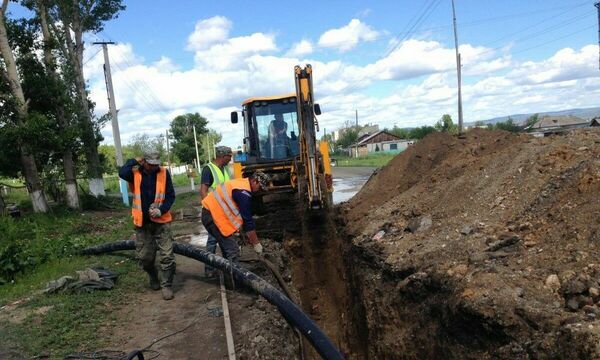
x=559 y=121
x=365 y=139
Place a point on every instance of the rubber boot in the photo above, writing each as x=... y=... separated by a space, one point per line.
x=166 y=283
x=167 y=293
x=154 y=282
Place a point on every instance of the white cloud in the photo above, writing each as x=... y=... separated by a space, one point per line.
x=347 y=37
x=421 y=73
x=564 y=65
x=301 y=48
x=209 y=32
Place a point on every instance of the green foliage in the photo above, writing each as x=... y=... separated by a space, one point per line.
x=372 y=160
x=420 y=132
x=347 y=138
x=182 y=128
x=445 y=124
x=532 y=120
x=399 y=132
x=32 y=240
x=507 y=125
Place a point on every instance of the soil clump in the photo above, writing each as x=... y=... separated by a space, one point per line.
x=479 y=246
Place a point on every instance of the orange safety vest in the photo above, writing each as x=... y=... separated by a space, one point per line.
x=159 y=197
x=223 y=209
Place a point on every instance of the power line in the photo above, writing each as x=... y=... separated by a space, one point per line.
x=541 y=32
x=91 y=57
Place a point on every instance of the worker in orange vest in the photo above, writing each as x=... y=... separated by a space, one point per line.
x=153 y=196
x=229 y=208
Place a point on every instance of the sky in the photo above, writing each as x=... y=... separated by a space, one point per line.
x=391 y=61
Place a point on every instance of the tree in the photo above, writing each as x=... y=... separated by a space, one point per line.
x=347 y=138
x=208 y=144
x=67 y=129
x=532 y=120
x=20 y=117
x=182 y=128
x=70 y=19
x=401 y=133
x=140 y=143
x=507 y=125
x=420 y=132
x=445 y=124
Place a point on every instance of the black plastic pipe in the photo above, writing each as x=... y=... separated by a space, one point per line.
x=290 y=311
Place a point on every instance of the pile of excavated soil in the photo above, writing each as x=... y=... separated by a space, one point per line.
x=480 y=247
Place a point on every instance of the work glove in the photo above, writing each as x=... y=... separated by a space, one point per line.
x=154 y=212
x=258 y=248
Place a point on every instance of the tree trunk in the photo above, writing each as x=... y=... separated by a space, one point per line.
x=32 y=180
x=90 y=141
x=70 y=181
x=68 y=165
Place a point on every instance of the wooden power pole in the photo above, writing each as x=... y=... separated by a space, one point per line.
x=458 y=66
x=597 y=5
x=113 y=115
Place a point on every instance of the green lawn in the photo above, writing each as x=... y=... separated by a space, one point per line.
x=35 y=249
x=372 y=160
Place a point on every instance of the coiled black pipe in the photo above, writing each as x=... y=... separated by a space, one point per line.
x=290 y=311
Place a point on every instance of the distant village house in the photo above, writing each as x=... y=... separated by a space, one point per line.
x=379 y=141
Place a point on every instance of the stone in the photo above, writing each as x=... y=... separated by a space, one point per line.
x=552 y=282
x=573 y=304
x=422 y=223
x=594 y=293
x=466 y=230
x=573 y=286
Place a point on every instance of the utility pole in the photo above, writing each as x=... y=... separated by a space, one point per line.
x=208 y=151
x=597 y=5
x=458 y=66
x=113 y=114
x=196 y=146
x=197 y=157
x=356 y=116
x=169 y=154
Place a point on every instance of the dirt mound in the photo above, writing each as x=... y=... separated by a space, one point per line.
x=482 y=246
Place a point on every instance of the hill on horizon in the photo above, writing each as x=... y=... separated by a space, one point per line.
x=585 y=113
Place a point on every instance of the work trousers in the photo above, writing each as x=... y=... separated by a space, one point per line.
x=228 y=244
x=152 y=238
x=211 y=247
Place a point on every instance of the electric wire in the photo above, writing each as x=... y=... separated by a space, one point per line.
x=143 y=83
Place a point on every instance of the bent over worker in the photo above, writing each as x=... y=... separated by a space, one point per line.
x=153 y=196
x=228 y=208
x=214 y=174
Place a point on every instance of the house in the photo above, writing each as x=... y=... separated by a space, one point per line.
x=379 y=141
x=548 y=125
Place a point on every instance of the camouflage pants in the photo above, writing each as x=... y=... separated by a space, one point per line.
x=153 y=238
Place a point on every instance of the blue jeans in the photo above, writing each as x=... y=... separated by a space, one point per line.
x=211 y=247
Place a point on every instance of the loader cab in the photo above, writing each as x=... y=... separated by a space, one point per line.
x=271 y=129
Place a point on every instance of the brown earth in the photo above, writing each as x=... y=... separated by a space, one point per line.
x=259 y=331
x=487 y=247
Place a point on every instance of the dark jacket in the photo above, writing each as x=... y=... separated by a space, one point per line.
x=148 y=187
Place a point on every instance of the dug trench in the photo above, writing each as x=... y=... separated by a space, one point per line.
x=472 y=247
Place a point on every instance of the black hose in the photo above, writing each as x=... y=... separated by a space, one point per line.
x=290 y=311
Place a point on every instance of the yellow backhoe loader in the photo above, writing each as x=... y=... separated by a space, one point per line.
x=280 y=140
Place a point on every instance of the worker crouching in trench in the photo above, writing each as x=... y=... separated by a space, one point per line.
x=229 y=208
x=153 y=196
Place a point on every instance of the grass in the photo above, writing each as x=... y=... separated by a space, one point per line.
x=372 y=160
x=73 y=321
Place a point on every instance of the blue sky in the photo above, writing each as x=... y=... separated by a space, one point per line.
x=393 y=61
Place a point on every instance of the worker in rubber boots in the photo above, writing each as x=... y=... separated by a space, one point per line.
x=153 y=196
x=228 y=208
x=214 y=174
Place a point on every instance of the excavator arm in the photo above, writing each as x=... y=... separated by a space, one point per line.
x=311 y=168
